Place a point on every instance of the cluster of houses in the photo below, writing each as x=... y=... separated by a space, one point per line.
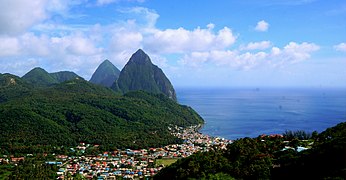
x=131 y=164
x=136 y=164
x=109 y=165
x=12 y=159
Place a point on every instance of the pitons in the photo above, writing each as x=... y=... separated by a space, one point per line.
x=141 y=74
x=106 y=74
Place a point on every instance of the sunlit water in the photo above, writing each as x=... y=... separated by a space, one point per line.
x=237 y=113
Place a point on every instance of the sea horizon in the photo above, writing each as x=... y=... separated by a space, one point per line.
x=238 y=112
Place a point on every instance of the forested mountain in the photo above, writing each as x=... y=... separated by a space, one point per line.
x=40 y=77
x=73 y=111
x=264 y=158
x=12 y=86
x=106 y=74
x=62 y=108
x=7 y=80
x=141 y=74
x=63 y=76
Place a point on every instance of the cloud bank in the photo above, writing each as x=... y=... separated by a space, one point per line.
x=16 y=16
x=37 y=40
x=291 y=53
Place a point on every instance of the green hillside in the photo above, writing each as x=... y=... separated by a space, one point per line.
x=63 y=76
x=264 y=158
x=12 y=87
x=39 y=77
x=74 y=111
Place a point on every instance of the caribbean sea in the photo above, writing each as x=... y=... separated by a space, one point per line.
x=234 y=113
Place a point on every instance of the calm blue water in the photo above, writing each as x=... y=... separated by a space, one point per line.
x=237 y=113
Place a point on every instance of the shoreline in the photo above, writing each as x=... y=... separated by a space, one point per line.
x=192 y=135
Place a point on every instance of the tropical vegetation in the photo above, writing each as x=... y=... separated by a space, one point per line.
x=266 y=157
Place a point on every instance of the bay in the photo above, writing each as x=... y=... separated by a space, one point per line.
x=234 y=113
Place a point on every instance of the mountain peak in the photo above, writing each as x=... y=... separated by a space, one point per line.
x=140 y=57
x=140 y=51
x=38 y=69
x=106 y=74
x=141 y=74
x=106 y=62
x=39 y=76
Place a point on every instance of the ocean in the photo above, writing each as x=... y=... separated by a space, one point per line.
x=249 y=112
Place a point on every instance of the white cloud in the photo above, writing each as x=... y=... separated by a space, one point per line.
x=81 y=48
x=16 y=16
x=229 y=58
x=262 y=26
x=123 y=43
x=225 y=38
x=256 y=45
x=80 y=45
x=340 y=47
x=9 y=46
x=26 y=44
x=195 y=59
x=159 y=60
x=182 y=40
x=73 y=50
x=33 y=45
x=142 y=17
x=62 y=8
x=124 y=40
x=291 y=53
x=297 y=52
x=211 y=26
x=275 y=51
x=76 y=51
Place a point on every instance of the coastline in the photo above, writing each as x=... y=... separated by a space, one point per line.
x=130 y=163
x=192 y=136
x=142 y=162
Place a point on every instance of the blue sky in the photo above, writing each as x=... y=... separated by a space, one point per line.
x=248 y=43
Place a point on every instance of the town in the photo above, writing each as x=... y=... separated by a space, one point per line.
x=139 y=163
x=129 y=163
